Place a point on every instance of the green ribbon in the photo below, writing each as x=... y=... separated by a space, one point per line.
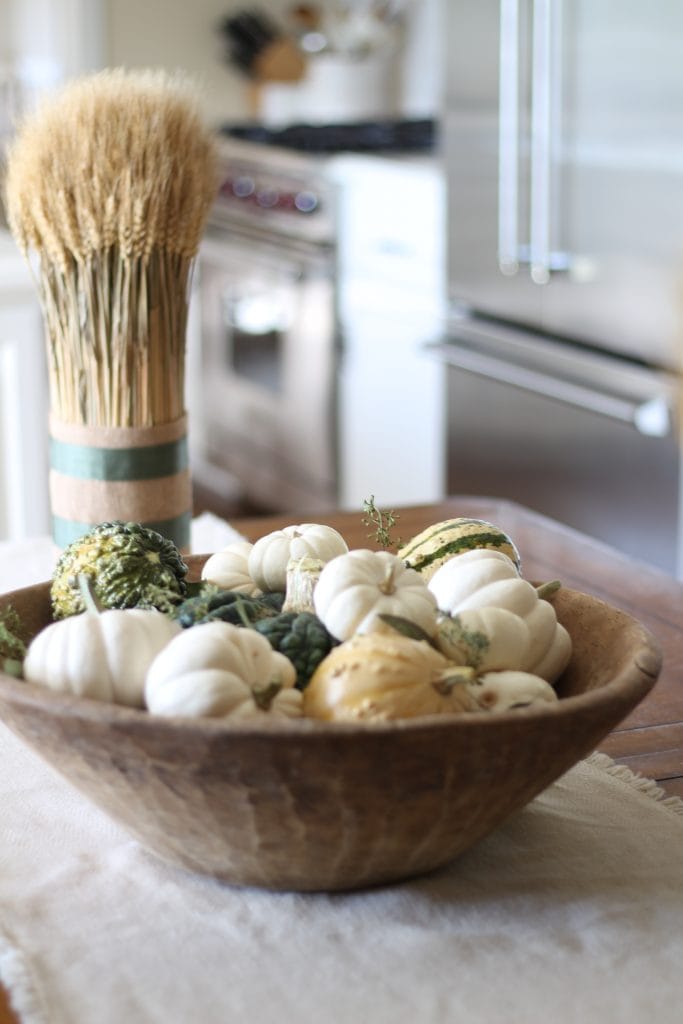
x=148 y=462
x=64 y=531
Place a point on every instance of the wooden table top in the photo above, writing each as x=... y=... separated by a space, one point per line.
x=650 y=740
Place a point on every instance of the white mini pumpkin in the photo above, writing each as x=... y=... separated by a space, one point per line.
x=270 y=555
x=496 y=620
x=219 y=670
x=459 y=579
x=103 y=655
x=355 y=589
x=510 y=690
x=229 y=569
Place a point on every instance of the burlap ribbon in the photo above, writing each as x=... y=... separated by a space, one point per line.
x=135 y=474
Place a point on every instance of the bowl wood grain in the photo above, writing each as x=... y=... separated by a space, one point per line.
x=306 y=805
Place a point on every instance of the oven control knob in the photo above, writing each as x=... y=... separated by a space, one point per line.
x=242 y=187
x=268 y=198
x=305 y=201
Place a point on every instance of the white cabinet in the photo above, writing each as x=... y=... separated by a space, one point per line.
x=391 y=294
x=24 y=503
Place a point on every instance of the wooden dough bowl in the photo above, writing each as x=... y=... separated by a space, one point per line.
x=306 y=805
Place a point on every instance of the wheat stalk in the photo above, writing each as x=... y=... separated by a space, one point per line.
x=109 y=182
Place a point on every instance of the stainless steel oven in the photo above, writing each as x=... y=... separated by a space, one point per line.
x=266 y=408
x=320 y=278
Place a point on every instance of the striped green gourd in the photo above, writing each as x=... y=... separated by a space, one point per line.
x=435 y=545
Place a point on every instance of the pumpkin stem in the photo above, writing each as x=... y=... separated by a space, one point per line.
x=446 y=683
x=546 y=590
x=265 y=695
x=302 y=577
x=387 y=584
x=90 y=601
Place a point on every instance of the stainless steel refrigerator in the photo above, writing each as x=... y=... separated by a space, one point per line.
x=562 y=140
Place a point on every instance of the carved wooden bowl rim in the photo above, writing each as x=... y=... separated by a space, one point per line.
x=632 y=683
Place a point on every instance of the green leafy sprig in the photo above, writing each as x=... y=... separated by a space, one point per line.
x=382 y=523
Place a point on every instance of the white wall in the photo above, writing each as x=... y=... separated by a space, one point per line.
x=24 y=507
x=424 y=58
x=183 y=34
x=47 y=41
x=50 y=40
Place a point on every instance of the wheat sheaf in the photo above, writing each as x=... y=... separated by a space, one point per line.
x=109 y=183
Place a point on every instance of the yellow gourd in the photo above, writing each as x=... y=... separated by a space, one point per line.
x=378 y=676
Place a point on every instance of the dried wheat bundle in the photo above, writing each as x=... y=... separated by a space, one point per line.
x=109 y=182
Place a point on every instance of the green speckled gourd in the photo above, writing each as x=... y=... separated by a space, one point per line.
x=11 y=644
x=438 y=543
x=130 y=565
x=302 y=638
x=213 y=604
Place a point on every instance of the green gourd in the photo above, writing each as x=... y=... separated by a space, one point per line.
x=213 y=604
x=438 y=543
x=302 y=638
x=129 y=565
x=12 y=646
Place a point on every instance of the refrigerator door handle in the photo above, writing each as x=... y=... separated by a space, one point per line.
x=508 y=138
x=545 y=90
x=651 y=417
x=539 y=206
x=546 y=75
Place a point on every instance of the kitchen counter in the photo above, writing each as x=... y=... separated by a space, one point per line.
x=650 y=740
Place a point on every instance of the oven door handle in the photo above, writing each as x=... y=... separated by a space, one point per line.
x=651 y=417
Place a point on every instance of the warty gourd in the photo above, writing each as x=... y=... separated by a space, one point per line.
x=129 y=565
